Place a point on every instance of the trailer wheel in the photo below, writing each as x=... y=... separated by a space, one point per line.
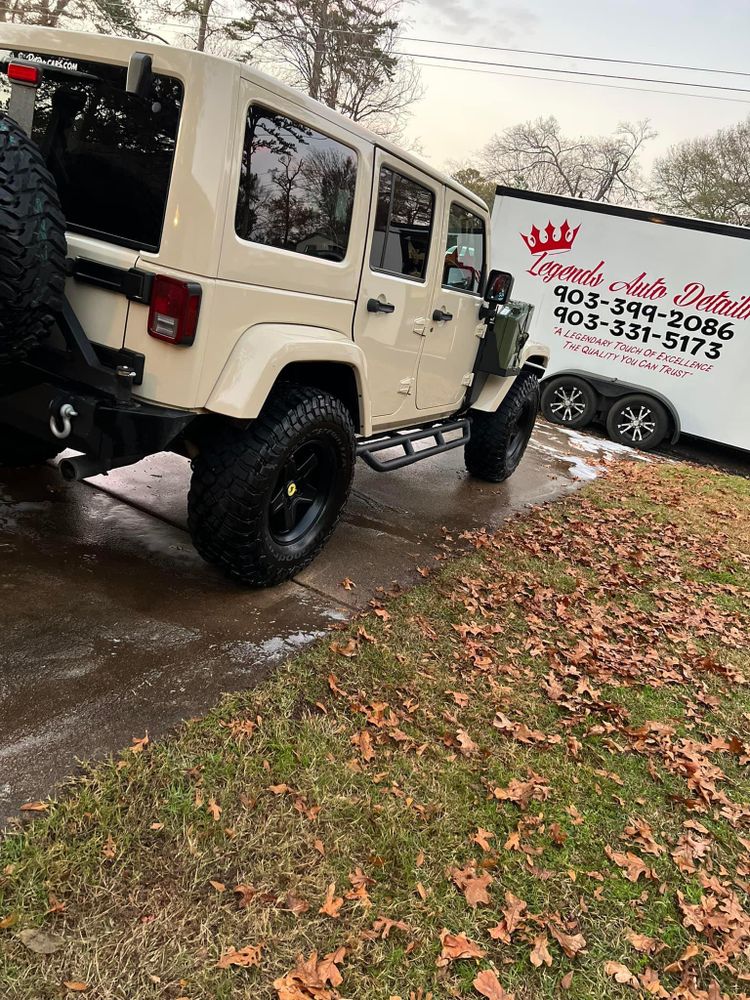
x=569 y=401
x=498 y=440
x=19 y=450
x=32 y=244
x=264 y=500
x=639 y=421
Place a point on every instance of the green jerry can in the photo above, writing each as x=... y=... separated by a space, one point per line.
x=507 y=332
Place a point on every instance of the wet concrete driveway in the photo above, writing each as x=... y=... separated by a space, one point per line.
x=112 y=625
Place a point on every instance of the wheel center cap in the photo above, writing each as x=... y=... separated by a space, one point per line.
x=291 y=489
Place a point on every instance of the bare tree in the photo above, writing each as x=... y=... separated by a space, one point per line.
x=341 y=52
x=707 y=177
x=107 y=16
x=207 y=24
x=536 y=155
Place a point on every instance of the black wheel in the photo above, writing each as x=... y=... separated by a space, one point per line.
x=18 y=450
x=569 y=401
x=32 y=244
x=498 y=440
x=264 y=501
x=639 y=421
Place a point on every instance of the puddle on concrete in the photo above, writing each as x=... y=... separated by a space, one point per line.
x=272 y=651
x=577 y=466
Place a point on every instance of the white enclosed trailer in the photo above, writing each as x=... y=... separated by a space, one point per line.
x=647 y=316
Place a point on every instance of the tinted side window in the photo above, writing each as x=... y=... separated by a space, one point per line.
x=296 y=187
x=403 y=223
x=464 y=251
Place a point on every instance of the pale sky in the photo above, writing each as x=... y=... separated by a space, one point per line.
x=461 y=110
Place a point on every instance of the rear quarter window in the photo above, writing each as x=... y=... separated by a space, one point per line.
x=110 y=152
x=296 y=187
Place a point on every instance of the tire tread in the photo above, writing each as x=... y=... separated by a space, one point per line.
x=230 y=480
x=486 y=454
x=32 y=244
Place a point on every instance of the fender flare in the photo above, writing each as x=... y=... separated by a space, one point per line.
x=496 y=387
x=265 y=350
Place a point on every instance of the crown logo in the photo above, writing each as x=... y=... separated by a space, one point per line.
x=551 y=238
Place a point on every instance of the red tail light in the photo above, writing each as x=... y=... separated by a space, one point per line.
x=173 y=315
x=25 y=73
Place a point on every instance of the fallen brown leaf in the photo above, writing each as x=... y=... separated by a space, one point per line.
x=466 y=743
x=139 y=745
x=333 y=903
x=245 y=958
x=310 y=977
x=349 y=649
x=571 y=944
x=41 y=942
x=641 y=942
x=363 y=741
x=457 y=946
x=540 y=952
x=512 y=918
x=621 y=973
x=474 y=887
x=244 y=893
x=482 y=838
x=488 y=985
x=295 y=904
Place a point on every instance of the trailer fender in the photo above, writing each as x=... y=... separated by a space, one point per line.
x=264 y=351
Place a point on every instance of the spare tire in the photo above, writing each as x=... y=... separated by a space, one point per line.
x=32 y=244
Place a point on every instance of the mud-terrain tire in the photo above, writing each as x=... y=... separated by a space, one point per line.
x=639 y=421
x=263 y=501
x=19 y=450
x=32 y=244
x=498 y=440
x=569 y=401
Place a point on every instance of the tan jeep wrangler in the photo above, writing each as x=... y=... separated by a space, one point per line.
x=250 y=280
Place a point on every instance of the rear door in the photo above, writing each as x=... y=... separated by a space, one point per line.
x=452 y=342
x=401 y=262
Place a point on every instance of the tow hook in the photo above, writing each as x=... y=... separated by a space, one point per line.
x=65 y=415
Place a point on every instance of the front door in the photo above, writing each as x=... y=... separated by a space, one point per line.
x=451 y=344
x=399 y=274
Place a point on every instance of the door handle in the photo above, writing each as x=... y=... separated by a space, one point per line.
x=376 y=306
x=441 y=317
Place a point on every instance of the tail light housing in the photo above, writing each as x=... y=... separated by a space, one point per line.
x=26 y=73
x=173 y=311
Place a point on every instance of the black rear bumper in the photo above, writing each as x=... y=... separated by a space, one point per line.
x=111 y=432
x=110 y=426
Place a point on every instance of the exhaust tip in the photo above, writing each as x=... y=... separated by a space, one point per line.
x=68 y=470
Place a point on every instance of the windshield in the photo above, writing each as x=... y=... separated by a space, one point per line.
x=110 y=152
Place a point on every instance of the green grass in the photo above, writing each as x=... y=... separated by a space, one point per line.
x=588 y=621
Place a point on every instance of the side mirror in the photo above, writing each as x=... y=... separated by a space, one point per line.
x=498 y=288
x=140 y=76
